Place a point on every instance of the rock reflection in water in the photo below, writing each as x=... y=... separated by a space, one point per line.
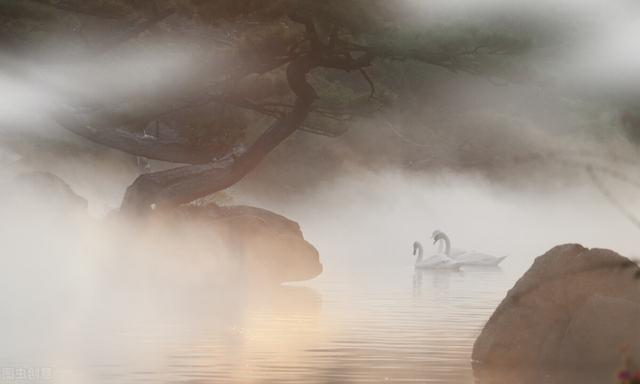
x=234 y=335
x=531 y=376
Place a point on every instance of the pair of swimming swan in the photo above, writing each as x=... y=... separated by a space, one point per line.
x=451 y=258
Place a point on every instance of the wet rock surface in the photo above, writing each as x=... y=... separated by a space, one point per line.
x=239 y=241
x=574 y=307
x=268 y=245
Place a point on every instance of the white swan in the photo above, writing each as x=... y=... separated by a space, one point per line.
x=444 y=246
x=438 y=261
x=464 y=257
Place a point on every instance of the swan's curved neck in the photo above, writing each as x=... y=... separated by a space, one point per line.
x=447 y=243
x=420 y=251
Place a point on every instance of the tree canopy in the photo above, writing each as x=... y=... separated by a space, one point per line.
x=287 y=65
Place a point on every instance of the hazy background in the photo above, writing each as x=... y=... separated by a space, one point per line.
x=462 y=154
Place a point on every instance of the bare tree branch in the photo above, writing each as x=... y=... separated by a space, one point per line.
x=184 y=184
x=366 y=77
x=611 y=198
x=119 y=137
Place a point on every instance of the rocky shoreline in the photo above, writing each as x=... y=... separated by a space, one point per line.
x=575 y=307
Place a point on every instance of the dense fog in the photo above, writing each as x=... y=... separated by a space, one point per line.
x=504 y=167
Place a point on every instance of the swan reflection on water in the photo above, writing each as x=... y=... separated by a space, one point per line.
x=439 y=279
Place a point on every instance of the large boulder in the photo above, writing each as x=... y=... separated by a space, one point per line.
x=239 y=242
x=575 y=307
x=256 y=243
x=269 y=244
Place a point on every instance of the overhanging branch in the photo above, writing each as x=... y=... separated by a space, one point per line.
x=184 y=184
x=120 y=138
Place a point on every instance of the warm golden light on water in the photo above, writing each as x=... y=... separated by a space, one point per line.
x=198 y=192
x=162 y=309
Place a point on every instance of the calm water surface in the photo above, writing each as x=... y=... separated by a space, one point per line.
x=389 y=324
x=370 y=317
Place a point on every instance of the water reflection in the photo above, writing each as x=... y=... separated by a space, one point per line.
x=101 y=316
x=438 y=280
x=257 y=334
x=372 y=324
x=363 y=328
x=279 y=324
x=532 y=376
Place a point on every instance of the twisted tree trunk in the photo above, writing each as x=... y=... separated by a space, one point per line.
x=184 y=184
x=210 y=170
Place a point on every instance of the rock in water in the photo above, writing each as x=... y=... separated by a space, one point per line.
x=575 y=307
x=269 y=245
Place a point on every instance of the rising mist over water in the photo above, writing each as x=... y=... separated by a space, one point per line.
x=94 y=302
x=502 y=167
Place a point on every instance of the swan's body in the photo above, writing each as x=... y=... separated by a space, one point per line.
x=480 y=259
x=437 y=261
x=464 y=257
